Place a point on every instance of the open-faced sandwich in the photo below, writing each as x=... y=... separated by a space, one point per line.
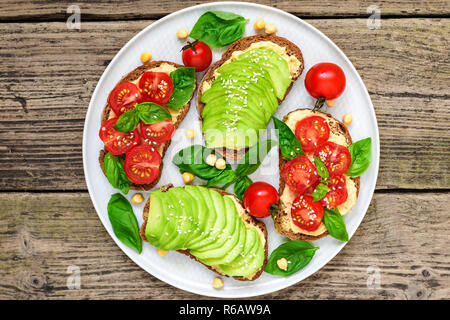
x=142 y=113
x=240 y=92
x=209 y=225
x=317 y=180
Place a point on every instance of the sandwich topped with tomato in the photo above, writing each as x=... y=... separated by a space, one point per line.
x=138 y=121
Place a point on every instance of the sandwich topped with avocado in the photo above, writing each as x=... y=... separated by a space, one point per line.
x=240 y=92
x=210 y=226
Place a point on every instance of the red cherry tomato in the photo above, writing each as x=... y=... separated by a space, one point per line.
x=142 y=164
x=117 y=142
x=258 y=198
x=335 y=157
x=124 y=97
x=305 y=213
x=197 y=55
x=299 y=174
x=156 y=87
x=337 y=194
x=325 y=80
x=312 y=132
x=157 y=132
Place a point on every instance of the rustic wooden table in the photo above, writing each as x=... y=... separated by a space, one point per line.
x=49 y=72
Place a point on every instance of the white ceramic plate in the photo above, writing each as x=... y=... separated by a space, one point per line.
x=159 y=38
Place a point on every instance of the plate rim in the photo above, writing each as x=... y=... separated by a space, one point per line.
x=232 y=294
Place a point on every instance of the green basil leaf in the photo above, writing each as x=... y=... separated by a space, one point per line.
x=334 y=222
x=321 y=169
x=289 y=145
x=128 y=121
x=218 y=28
x=298 y=254
x=254 y=157
x=114 y=172
x=241 y=185
x=150 y=112
x=360 y=152
x=183 y=80
x=124 y=222
x=320 y=192
x=192 y=159
x=226 y=177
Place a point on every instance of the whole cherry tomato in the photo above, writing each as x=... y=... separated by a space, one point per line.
x=258 y=198
x=197 y=55
x=325 y=81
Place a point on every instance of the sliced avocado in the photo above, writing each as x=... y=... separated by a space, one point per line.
x=155 y=229
x=233 y=135
x=216 y=249
x=274 y=64
x=199 y=215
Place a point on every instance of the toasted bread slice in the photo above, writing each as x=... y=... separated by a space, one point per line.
x=177 y=115
x=240 y=45
x=283 y=220
x=247 y=218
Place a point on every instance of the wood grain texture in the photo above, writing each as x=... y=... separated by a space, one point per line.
x=144 y=9
x=48 y=74
x=405 y=235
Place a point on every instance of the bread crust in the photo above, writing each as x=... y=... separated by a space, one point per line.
x=248 y=218
x=281 y=214
x=241 y=44
x=132 y=76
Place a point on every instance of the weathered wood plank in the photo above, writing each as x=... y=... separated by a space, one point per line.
x=48 y=74
x=142 y=9
x=405 y=235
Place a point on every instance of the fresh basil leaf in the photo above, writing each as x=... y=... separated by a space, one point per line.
x=114 y=172
x=226 y=177
x=218 y=28
x=150 y=112
x=360 y=152
x=127 y=121
x=289 y=145
x=254 y=157
x=192 y=159
x=241 y=185
x=321 y=169
x=183 y=80
x=298 y=254
x=334 y=222
x=320 y=192
x=124 y=222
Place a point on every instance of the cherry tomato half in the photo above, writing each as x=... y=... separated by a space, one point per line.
x=312 y=132
x=142 y=164
x=305 y=213
x=326 y=80
x=117 y=142
x=258 y=198
x=157 y=132
x=335 y=157
x=197 y=55
x=337 y=194
x=299 y=174
x=124 y=97
x=156 y=87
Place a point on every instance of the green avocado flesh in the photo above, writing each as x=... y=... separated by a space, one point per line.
x=207 y=224
x=243 y=98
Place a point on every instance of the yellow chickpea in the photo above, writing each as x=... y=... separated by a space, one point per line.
x=182 y=34
x=161 y=252
x=217 y=283
x=146 y=57
x=270 y=28
x=259 y=24
x=191 y=133
x=221 y=164
x=282 y=264
x=187 y=177
x=347 y=119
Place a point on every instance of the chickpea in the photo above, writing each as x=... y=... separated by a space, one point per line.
x=187 y=177
x=221 y=164
x=217 y=283
x=347 y=119
x=182 y=34
x=161 y=252
x=259 y=24
x=146 y=57
x=137 y=198
x=330 y=103
x=211 y=159
x=191 y=133
x=282 y=264
x=270 y=28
